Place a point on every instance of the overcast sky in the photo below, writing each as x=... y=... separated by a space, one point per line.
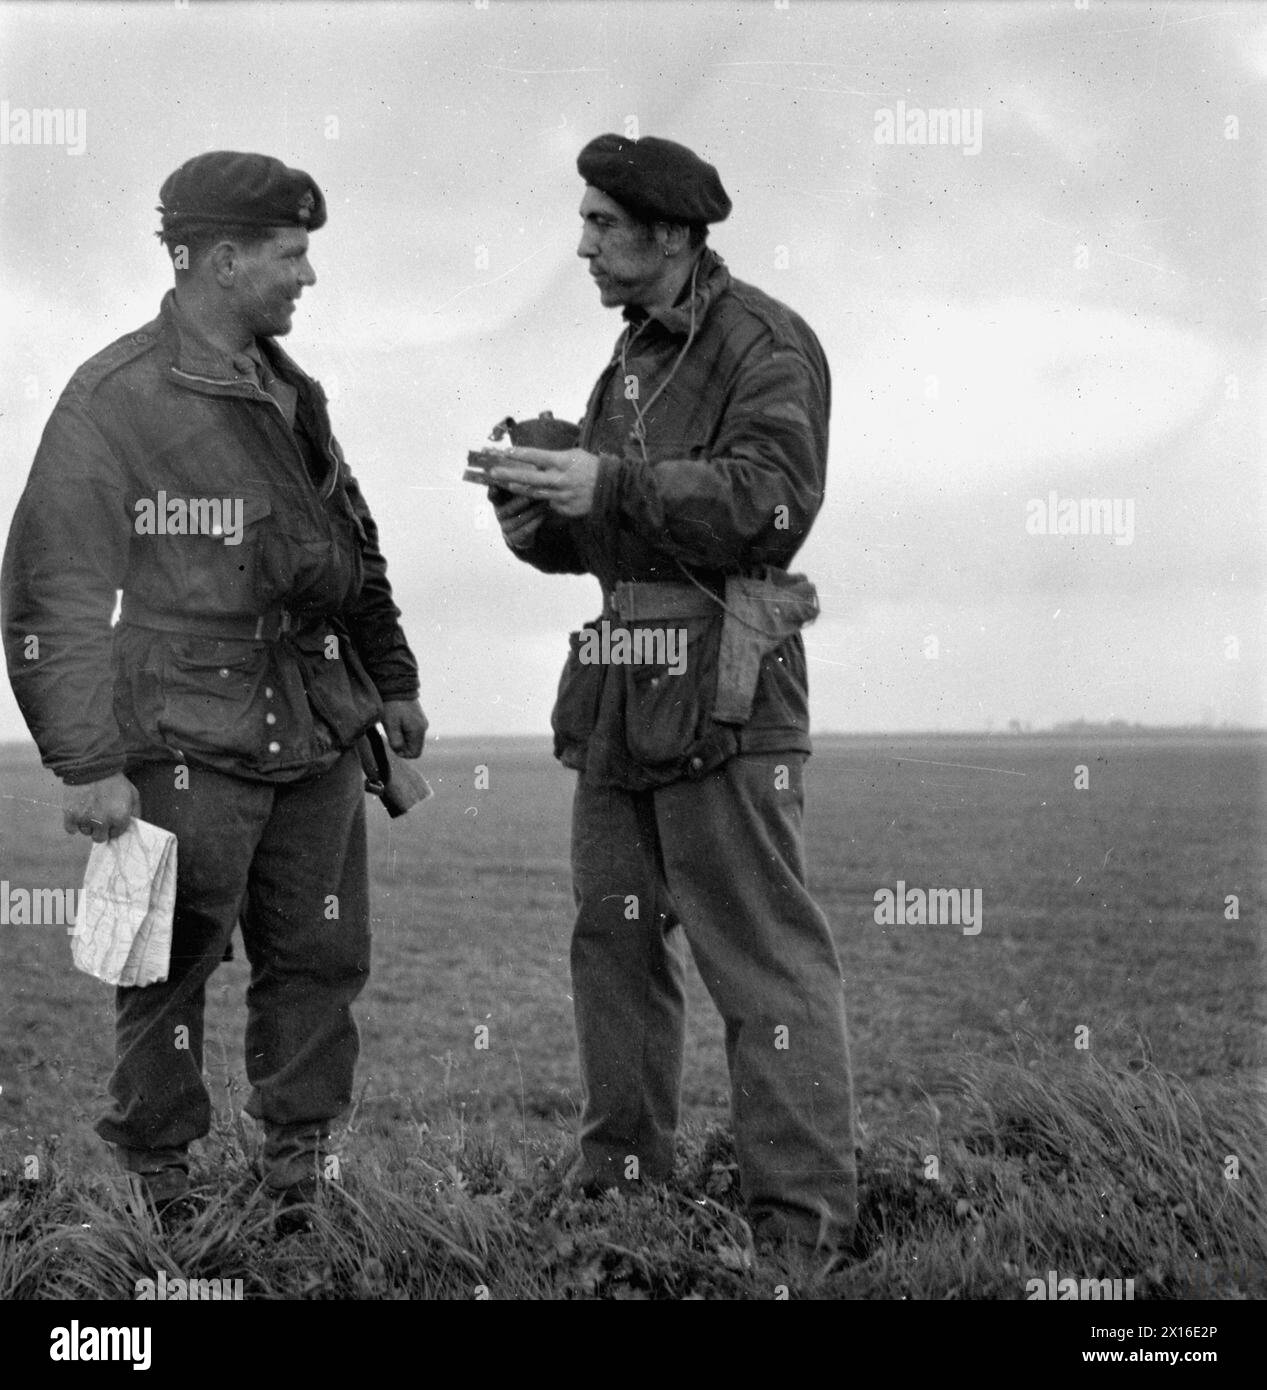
x=1074 y=306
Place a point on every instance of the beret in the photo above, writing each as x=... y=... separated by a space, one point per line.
x=249 y=190
x=656 y=180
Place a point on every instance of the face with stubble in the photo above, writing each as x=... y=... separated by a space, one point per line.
x=626 y=261
x=268 y=278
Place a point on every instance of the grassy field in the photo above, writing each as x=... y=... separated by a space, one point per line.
x=1103 y=911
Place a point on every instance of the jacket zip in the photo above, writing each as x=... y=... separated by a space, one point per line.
x=266 y=399
x=263 y=396
x=329 y=447
x=328 y=442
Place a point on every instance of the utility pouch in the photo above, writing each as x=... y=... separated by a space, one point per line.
x=576 y=706
x=761 y=614
x=396 y=784
x=666 y=701
x=338 y=687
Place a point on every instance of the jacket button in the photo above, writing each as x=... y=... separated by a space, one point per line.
x=274 y=747
x=268 y=692
x=224 y=673
x=696 y=765
x=270 y=719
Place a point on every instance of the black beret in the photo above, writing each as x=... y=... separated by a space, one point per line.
x=656 y=180
x=248 y=190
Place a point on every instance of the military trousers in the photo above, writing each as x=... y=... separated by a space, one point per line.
x=720 y=861
x=289 y=861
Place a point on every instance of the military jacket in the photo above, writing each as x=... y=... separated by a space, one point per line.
x=710 y=424
x=258 y=636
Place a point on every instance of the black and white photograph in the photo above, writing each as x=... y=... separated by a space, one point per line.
x=634 y=646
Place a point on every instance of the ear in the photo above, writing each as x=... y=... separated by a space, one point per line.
x=222 y=259
x=672 y=238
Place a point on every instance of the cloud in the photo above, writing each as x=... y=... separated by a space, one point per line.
x=986 y=390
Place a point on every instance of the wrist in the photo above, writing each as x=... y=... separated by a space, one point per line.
x=608 y=476
x=88 y=773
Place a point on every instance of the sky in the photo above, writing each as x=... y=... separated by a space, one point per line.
x=1060 y=299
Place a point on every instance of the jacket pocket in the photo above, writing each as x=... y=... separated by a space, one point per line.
x=580 y=686
x=211 y=694
x=666 y=701
x=296 y=557
x=212 y=564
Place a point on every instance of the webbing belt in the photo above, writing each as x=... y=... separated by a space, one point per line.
x=760 y=613
x=634 y=602
x=267 y=627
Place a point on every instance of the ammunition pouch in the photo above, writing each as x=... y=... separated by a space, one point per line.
x=758 y=614
x=672 y=709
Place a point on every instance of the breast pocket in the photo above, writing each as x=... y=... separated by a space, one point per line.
x=204 y=554
x=313 y=558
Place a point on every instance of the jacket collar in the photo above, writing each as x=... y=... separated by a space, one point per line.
x=712 y=279
x=195 y=355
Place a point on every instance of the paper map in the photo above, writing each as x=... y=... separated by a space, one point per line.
x=123 y=929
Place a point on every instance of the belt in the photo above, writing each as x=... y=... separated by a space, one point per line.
x=761 y=612
x=267 y=627
x=633 y=602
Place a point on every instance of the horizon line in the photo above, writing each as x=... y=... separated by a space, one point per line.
x=1066 y=729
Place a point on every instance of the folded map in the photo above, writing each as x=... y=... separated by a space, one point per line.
x=123 y=930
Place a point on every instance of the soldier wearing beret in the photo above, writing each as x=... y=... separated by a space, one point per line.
x=697 y=473
x=192 y=466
